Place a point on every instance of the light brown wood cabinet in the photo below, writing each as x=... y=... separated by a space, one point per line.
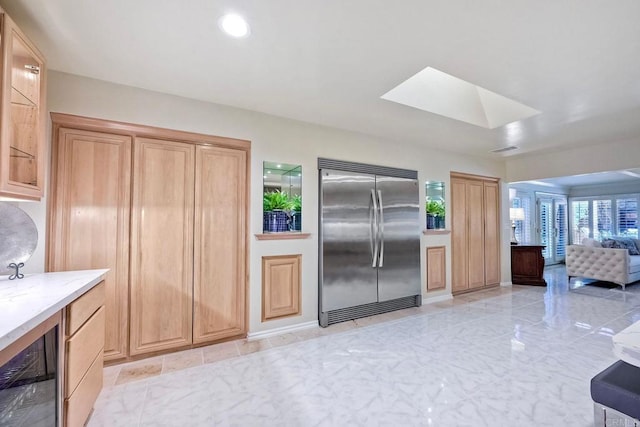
x=22 y=97
x=84 y=345
x=436 y=268
x=178 y=271
x=219 y=240
x=161 y=245
x=281 y=281
x=475 y=232
x=89 y=219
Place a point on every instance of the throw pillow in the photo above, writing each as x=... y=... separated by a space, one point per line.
x=621 y=243
x=630 y=245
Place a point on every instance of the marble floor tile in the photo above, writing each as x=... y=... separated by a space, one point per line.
x=283 y=339
x=140 y=370
x=218 y=352
x=182 y=360
x=111 y=375
x=507 y=356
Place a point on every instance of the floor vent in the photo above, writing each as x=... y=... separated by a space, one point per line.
x=365 y=310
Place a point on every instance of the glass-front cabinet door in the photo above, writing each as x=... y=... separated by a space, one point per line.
x=22 y=166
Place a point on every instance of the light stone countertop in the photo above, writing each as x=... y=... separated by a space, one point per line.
x=626 y=344
x=25 y=303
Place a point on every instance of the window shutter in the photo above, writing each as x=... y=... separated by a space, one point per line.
x=602 y=224
x=627 y=215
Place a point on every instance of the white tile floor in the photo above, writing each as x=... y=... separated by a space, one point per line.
x=520 y=356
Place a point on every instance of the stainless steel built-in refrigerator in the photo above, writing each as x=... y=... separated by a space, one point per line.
x=369 y=255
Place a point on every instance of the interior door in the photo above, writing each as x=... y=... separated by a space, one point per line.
x=348 y=274
x=399 y=265
x=552 y=227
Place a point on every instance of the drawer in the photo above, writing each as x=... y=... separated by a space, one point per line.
x=81 y=309
x=81 y=350
x=78 y=407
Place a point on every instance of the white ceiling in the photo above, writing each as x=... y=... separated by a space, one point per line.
x=329 y=61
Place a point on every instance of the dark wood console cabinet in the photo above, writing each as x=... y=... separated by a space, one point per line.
x=527 y=265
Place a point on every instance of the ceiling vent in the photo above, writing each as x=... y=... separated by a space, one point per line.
x=503 y=149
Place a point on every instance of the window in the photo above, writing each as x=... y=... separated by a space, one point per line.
x=602 y=223
x=580 y=224
x=602 y=217
x=627 y=215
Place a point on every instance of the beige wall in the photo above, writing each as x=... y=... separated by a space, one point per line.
x=273 y=139
x=609 y=156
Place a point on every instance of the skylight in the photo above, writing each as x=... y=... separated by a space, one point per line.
x=443 y=94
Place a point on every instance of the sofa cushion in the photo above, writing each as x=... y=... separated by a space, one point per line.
x=621 y=243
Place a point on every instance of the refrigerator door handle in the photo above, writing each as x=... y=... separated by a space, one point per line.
x=373 y=231
x=381 y=231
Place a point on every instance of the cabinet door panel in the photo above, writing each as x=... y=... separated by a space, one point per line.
x=492 y=233
x=459 y=267
x=436 y=268
x=91 y=174
x=475 y=215
x=219 y=282
x=161 y=245
x=281 y=286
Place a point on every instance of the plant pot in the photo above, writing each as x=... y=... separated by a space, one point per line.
x=440 y=223
x=431 y=221
x=275 y=221
x=296 y=221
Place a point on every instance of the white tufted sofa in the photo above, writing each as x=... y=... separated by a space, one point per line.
x=609 y=265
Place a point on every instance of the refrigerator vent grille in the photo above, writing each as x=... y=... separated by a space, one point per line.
x=359 y=311
x=364 y=168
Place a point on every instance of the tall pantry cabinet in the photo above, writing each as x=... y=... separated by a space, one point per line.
x=475 y=232
x=165 y=211
x=89 y=219
x=161 y=245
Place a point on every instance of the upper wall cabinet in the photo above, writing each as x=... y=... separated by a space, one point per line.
x=22 y=115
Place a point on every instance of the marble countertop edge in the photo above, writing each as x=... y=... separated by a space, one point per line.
x=626 y=344
x=25 y=303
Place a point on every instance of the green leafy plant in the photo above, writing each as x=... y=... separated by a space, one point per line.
x=295 y=204
x=275 y=200
x=435 y=208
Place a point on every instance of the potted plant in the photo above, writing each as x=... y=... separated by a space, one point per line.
x=275 y=218
x=295 y=206
x=435 y=214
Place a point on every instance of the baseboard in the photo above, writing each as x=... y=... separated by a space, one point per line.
x=506 y=284
x=439 y=298
x=283 y=330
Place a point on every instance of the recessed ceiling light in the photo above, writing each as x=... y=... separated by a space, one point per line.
x=234 y=25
